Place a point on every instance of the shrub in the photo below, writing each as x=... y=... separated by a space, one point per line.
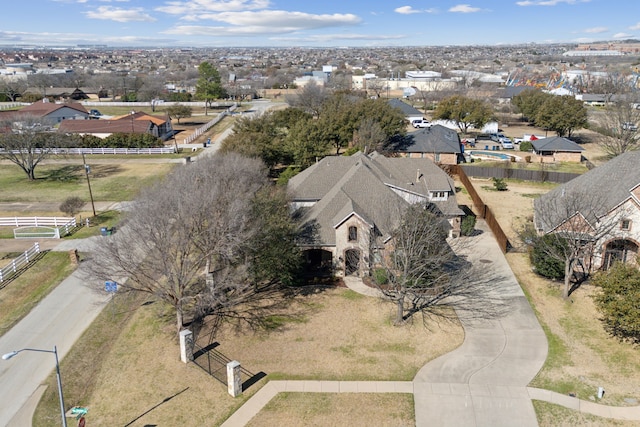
x=617 y=301
x=468 y=225
x=544 y=264
x=499 y=184
x=72 y=205
x=380 y=276
x=526 y=146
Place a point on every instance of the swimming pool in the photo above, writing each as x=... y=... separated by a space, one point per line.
x=488 y=154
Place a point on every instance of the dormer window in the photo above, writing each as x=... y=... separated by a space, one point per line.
x=353 y=233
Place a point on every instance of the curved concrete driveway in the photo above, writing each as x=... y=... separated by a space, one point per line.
x=483 y=382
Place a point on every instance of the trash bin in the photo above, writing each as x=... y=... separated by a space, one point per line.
x=103 y=231
x=486 y=147
x=204 y=144
x=208 y=142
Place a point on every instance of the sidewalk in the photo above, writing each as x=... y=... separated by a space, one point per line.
x=481 y=383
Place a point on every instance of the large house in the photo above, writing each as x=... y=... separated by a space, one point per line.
x=135 y=122
x=612 y=193
x=437 y=143
x=51 y=112
x=350 y=205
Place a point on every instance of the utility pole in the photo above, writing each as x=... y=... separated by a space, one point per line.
x=86 y=171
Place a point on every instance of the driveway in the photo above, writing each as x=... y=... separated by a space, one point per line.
x=483 y=382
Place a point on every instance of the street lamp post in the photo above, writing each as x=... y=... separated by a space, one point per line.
x=55 y=352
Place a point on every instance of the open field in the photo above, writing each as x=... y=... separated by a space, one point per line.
x=337 y=335
x=55 y=182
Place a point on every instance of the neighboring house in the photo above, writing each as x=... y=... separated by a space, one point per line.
x=615 y=187
x=557 y=149
x=437 y=143
x=409 y=112
x=52 y=112
x=349 y=207
x=139 y=122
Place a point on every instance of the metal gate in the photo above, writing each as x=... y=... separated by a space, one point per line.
x=215 y=364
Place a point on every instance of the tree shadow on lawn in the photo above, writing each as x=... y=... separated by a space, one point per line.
x=165 y=400
x=73 y=173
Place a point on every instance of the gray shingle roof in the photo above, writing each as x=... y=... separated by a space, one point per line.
x=556 y=143
x=434 y=139
x=369 y=187
x=407 y=110
x=610 y=184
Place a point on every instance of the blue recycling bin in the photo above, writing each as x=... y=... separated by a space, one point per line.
x=103 y=231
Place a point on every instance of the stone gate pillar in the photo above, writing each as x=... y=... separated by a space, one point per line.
x=186 y=346
x=234 y=383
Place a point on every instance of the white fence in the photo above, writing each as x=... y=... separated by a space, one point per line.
x=10 y=270
x=156 y=104
x=202 y=129
x=39 y=227
x=105 y=150
x=36 y=221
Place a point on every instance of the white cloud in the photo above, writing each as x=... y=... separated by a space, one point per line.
x=191 y=7
x=622 y=36
x=279 y=20
x=464 y=8
x=119 y=15
x=549 y=2
x=406 y=10
x=596 y=30
x=321 y=38
x=635 y=27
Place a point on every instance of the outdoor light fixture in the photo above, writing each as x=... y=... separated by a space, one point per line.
x=8 y=356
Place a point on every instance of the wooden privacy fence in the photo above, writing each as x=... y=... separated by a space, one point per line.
x=523 y=174
x=12 y=269
x=483 y=210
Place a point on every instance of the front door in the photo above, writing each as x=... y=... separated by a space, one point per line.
x=351 y=261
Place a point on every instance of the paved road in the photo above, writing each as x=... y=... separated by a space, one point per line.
x=58 y=320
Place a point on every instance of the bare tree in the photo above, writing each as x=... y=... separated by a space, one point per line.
x=310 y=98
x=369 y=136
x=425 y=273
x=179 y=111
x=13 y=88
x=568 y=227
x=41 y=81
x=619 y=127
x=188 y=241
x=27 y=140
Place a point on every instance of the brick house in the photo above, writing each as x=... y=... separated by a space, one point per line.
x=349 y=206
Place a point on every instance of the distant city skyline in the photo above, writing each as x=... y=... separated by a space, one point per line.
x=324 y=23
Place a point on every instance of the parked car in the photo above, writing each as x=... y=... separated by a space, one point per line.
x=507 y=144
x=421 y=124
x=95 y=113
x=629 y=126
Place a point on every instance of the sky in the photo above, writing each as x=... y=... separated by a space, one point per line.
x=315 y=23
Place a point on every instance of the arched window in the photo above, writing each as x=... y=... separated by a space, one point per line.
x=353 y=233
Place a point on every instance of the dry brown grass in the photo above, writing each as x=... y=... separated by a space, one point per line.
x=582 y=355
x=346 y=409
x=341 y=335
